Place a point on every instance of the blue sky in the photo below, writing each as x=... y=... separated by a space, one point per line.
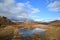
x=44 y=13
x=38 y=10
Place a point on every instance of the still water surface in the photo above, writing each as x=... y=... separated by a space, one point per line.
x=28 y=32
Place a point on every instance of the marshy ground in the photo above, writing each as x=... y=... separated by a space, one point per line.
x=11 y=33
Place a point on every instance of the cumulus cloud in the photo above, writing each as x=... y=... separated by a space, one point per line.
x=54 y=6
x=10 y=8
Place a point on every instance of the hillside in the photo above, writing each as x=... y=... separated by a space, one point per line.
x=55 y=23
x=4 y=21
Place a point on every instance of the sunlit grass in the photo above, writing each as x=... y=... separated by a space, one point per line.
x=53 y=33
x=6 y=31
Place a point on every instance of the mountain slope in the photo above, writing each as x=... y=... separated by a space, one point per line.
x=55 y=23
x=5 y=21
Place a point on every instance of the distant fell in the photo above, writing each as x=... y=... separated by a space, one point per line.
x=55 y=23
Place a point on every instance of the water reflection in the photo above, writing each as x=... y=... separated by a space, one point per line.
x=28 y=32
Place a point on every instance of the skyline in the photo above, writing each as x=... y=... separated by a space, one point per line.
x=38 y=10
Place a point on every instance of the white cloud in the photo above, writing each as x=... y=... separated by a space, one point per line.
x=35 y=10
x=10 y=8
x=54 y=6
x=47 y=19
